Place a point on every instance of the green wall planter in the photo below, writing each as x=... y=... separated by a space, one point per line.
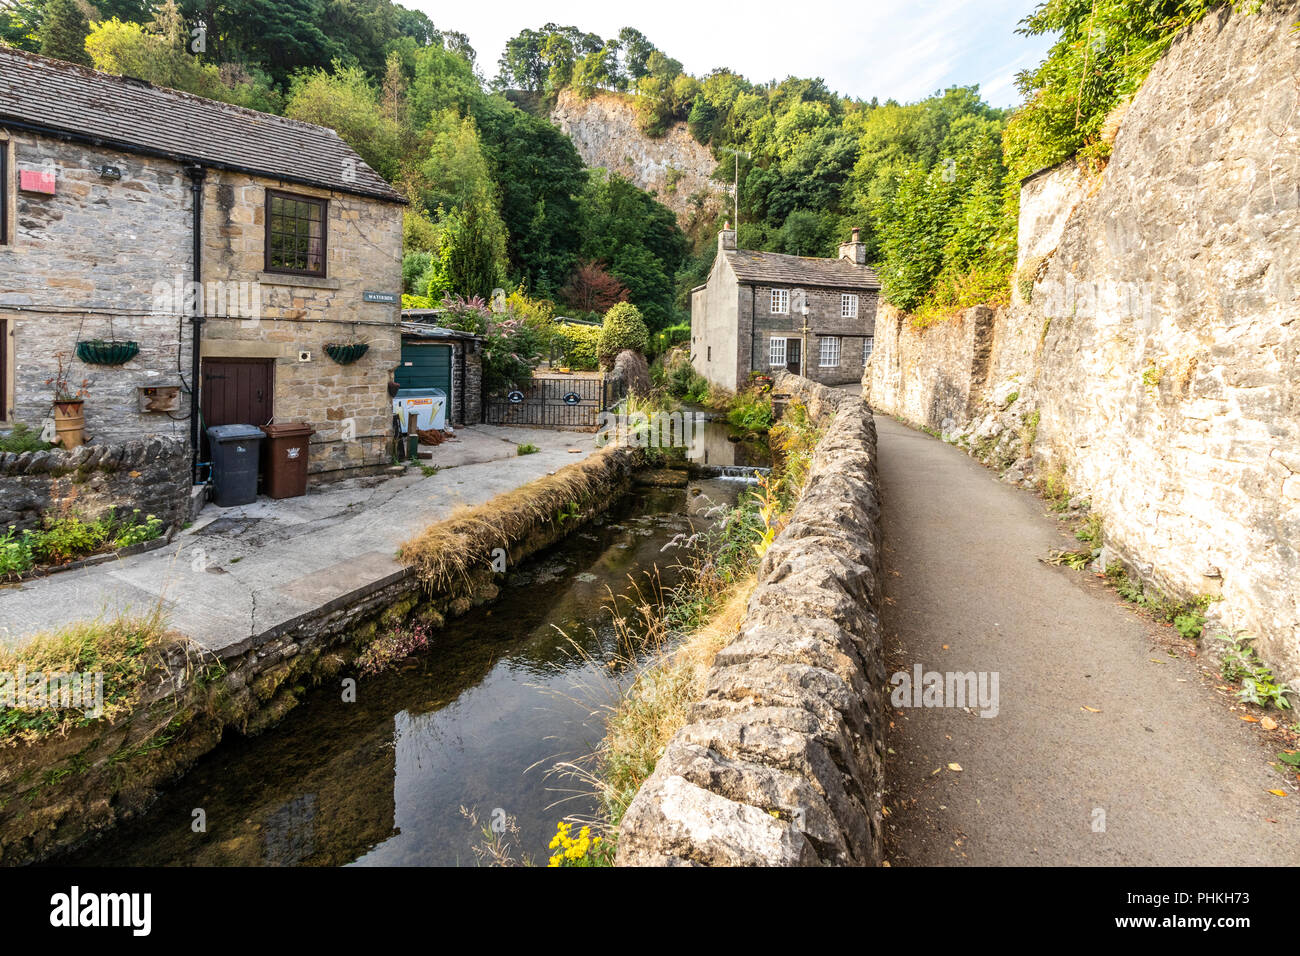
x=347 y=354
x=99 y=352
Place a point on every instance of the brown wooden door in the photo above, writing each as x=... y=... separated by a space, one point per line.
x=792 y=350
x=236 y=392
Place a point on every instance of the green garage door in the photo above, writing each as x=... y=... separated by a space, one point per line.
x=425 y=366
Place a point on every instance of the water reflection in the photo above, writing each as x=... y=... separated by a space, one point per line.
x=381 y=781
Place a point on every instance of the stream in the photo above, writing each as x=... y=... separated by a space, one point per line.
x=476 y=721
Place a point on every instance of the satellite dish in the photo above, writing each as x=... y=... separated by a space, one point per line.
x=798 y=300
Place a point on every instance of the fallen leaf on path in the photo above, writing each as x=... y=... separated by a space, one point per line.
x=955 y=767
x=1268 y=723
x=1092 y=710
x=936 y=770
x=1249 y=718
x=1154 y=661
x=1279 y=793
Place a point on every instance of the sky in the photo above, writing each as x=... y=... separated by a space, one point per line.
x=901 y=49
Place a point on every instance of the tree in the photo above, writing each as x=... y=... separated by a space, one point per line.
x=347 y=103
x=63 y=32
x=473 y=252
x=592 y=289
x=540 y=176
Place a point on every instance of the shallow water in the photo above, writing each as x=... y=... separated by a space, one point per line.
x=476 y=721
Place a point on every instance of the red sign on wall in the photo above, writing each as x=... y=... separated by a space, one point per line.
x=36 y=181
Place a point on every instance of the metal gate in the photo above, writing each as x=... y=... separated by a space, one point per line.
x=553 y=401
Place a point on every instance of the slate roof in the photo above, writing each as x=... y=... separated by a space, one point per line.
x=779 y=269
x=127 y=114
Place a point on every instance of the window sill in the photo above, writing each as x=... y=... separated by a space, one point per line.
x=298 y=281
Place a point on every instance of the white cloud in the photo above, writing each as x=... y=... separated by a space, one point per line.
x=903 y=51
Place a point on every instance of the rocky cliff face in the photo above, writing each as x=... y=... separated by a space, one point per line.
x=1150 y=352
x=606 y=130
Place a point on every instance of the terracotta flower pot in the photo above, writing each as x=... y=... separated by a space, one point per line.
x=70 y=423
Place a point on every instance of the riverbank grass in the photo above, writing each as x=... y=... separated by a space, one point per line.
x=126 y=649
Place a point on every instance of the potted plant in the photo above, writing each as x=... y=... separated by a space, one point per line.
x=69 y=399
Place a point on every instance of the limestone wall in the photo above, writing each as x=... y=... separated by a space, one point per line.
x=606 y=130
x=781 y=763
x=1150 y=352
x=151 y=474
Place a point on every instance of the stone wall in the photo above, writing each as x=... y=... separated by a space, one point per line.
x=81 y=264
x=1149 y=357
x=823 y=318
x=782 y=762
x=715 y=329
x=348 y=405
x=606 y=130
x=152 y=474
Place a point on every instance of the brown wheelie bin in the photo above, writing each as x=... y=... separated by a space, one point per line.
x=284 y=463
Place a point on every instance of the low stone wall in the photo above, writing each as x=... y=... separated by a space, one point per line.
x=782 y=762
x=152 y=474
x=56 y=793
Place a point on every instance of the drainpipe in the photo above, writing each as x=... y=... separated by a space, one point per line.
x=753 y=327
x=197 y=175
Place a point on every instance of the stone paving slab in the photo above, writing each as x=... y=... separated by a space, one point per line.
x=239 y=572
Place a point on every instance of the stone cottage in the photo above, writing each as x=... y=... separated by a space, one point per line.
x=239 y=252
x=764 y=311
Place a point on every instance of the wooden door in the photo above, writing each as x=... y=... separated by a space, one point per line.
x=236 y=392
x=792 y=350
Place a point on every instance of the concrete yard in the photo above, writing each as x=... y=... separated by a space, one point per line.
x=240 y=572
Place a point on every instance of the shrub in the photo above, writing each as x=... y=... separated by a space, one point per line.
x=624 y=329
x=666 y=338
x=578 y=346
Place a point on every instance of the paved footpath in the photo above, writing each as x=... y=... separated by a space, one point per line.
x=1180 y=778
x=237 y=572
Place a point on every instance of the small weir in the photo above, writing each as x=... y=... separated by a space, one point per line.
x=475 y=721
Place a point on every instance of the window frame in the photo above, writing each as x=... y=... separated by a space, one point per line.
x=868 y=346
x=848 y=305
x=833 y=341
x=783 y=297
x=324 y=204
x=771 y=352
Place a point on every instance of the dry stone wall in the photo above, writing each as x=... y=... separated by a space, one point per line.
x=1149 y=356
x=781 y=762
x=151 y=474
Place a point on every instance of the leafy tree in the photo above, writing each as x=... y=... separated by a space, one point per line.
x=592 y=289
x=63 y=32
x=540 y=177
x=20 y=24
x=159 y=53
x=638 y=239
x=347 y=102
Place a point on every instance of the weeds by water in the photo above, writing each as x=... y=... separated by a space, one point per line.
x=128 y=650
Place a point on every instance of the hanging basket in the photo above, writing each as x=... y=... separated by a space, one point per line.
x=99 y=352
x=347 y=354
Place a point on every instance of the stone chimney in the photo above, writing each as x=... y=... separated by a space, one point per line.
x=727 y=238
x=855 y=250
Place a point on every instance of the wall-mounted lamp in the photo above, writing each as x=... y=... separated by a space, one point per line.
x=110 y=172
